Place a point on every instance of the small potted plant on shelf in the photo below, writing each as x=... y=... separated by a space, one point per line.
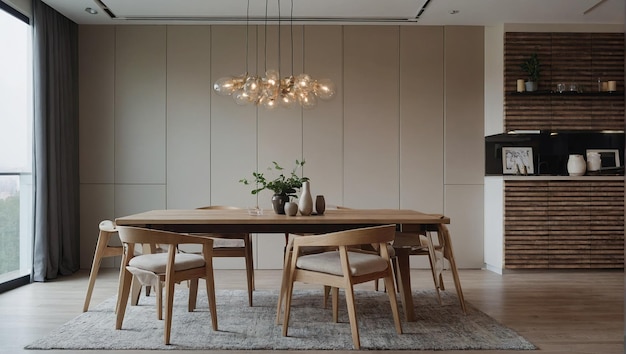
x=532 y=67
x=283 y=186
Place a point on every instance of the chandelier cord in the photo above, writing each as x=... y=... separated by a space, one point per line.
x=265 y=44
x=291 y=34
x=279 y=36
x=247 y=34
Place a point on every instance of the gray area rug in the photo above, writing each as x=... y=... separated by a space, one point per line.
x=311 y=327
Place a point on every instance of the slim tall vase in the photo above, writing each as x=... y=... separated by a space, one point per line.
x=305 y=204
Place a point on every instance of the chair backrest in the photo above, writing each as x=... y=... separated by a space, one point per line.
x=362 y=236
x=107 y=226
x=130 y=234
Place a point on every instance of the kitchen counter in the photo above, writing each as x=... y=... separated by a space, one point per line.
x=558 y=178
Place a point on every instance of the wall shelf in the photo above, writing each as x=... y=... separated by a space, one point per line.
x=617 y=94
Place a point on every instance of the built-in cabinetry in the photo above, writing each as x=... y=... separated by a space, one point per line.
x=563 y=224
x=570 y=58
x=552 y=220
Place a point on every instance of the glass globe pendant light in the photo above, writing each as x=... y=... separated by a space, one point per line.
x=270 y=90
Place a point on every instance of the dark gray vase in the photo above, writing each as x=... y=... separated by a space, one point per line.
x=278 y=203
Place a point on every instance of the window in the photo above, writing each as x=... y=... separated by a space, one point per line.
x=16 y=148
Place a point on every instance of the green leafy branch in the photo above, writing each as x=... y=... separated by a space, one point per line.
x=283 y=184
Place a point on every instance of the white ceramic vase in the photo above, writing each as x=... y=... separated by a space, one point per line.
x=291 y=208
x=305 y=203
x=576 y=165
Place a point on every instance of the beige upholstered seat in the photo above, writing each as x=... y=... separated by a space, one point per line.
x=169 y=268
x=342 y=268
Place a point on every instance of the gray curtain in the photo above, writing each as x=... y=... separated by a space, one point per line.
x=55 y=60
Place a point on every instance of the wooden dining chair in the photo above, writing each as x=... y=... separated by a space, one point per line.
x=343 y=268
x=421 y=243
x=234 y=245
x=103 y=250
x=165 y=268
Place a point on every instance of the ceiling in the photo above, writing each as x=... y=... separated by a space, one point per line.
x=410 y=12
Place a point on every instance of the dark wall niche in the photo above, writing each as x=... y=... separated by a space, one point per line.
x=551 y=150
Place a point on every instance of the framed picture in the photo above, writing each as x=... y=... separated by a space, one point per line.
x=517 y=160
x=609 y=157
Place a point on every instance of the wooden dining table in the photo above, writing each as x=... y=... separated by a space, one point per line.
x=245 y=221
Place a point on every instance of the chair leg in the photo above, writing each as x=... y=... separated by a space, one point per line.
x=103 y=240
x=449 y=254
x=393 y=301
x=210 y=290
x=404 y=274
x=288 y=294
x=249 y=268
x=434 y=267
x=169 y=299
x=136 y=292
x=354 y=326
x=284 y=279
x=326 y=294
x=159 y=301
x=335 y=297
x=122 y=300
x=193 y=294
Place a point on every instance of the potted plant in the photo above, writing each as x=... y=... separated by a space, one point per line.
x=283 y=186
x=532 y=67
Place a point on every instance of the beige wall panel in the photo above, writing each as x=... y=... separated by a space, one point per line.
x=464 y=107
x=96 y=204
x=96 y=67
x=269 y=251
x=421 y=118
x=140 y=104
x=464 y=207
x=323 y=127
x=188 y=121
x=371 y=116
x=494 y=80
x=136 y=198
x=233 y=131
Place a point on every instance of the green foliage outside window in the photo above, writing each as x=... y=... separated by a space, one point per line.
x=9 y=234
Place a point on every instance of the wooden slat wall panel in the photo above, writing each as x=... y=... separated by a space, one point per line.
x=564 y=224
x=522 y=113
x=607 y=225
x=607 y=113
x=569 y=219
x=580 y=58
x=571 y=59
x=607 y=57
x=526 y=237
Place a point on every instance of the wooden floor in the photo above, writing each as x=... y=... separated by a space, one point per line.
x=560 y=312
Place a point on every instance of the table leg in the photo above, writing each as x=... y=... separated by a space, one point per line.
x=404 y=281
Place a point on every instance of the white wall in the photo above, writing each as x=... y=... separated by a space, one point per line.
x=404 y=131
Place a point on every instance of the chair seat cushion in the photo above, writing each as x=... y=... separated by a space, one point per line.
x=219 y=242
x=157 y=262
x=330 y=263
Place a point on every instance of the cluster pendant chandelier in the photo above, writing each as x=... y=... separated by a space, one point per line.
x=272 y=90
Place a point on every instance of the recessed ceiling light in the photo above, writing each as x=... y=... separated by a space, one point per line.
x=454 y=12
x=91 y=11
